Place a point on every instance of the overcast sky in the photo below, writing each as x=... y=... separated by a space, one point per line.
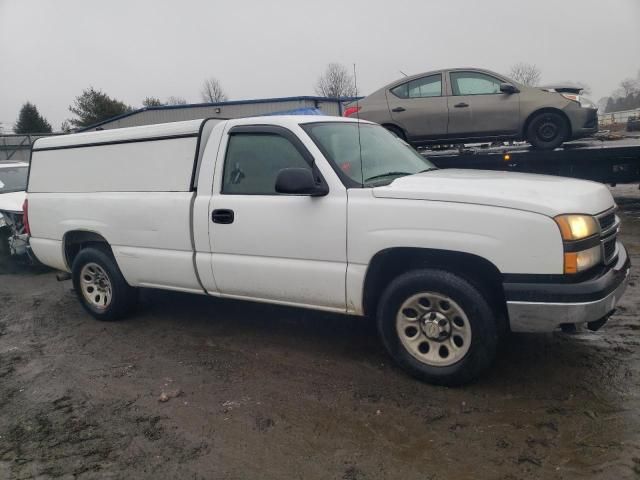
x=51 y=50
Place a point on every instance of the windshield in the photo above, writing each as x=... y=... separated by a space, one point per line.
x=384 y=156
x=13 y=179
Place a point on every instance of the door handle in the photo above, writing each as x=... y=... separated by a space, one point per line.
x=461 y=105
x=398 y=109
x=223 y=215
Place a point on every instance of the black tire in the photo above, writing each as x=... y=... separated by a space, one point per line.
x=398 y=132
x=482 y=323
x=547 y=130
x=123 y=297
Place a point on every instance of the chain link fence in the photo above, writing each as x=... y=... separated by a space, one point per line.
x=18 y=147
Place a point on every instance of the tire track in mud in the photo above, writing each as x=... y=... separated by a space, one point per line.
x=67 y=436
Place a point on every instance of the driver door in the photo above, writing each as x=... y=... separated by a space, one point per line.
x=478 y=108
x=269 y=246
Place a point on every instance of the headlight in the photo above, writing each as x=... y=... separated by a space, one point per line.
x=582 y=101
x=3 y=222
x=586 y=103
x=576 y=227
x=576 y=262
x=580 y=242
x=571 y=96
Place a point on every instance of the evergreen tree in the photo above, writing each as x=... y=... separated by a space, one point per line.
x=94 y=106
x=30 y=121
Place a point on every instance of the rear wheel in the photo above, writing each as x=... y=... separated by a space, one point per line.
x=100 y=286
x=438 y=327
x=547 y=130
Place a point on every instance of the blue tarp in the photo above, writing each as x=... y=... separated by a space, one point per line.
x=297 y=111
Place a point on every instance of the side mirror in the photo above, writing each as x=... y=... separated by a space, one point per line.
x=299 y=181
x=508 y=88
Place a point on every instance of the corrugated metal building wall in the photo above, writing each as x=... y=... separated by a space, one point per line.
x=232 y=109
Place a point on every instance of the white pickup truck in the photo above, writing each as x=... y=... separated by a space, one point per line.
x=329 y=214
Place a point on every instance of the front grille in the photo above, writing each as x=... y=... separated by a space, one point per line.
x=609 y=249
x=609 y=224
x=606 y=221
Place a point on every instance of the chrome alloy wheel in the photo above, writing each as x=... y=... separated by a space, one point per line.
x=433 y=329
x=96 y=286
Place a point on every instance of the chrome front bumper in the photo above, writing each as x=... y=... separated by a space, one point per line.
x=542 y=316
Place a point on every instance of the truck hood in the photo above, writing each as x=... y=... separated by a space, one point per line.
x=543 y=194
x=12 y=201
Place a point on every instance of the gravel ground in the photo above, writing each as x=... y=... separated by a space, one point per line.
x=257 y=391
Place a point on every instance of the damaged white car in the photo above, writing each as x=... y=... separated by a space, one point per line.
x=13 y=183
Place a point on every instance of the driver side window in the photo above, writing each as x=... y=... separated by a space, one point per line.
x=474 y=83
x=253 y=161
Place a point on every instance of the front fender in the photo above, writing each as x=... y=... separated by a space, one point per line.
x=515 y=241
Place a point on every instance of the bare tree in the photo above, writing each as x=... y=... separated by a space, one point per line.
x=336 y=82
x=602 y=104
x=65 y=127
x=176 y=101
x=212 y=91
x=629 y=86
x=525 y=73
x=152 y=102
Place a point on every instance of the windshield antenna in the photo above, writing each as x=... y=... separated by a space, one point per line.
x=355 y=84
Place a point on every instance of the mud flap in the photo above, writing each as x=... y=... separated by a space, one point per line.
x=598 y=324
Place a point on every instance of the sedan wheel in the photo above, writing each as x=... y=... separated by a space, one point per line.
x=547 y=130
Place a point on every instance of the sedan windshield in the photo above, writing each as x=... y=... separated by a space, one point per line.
x=13 y=179
x=367 y=155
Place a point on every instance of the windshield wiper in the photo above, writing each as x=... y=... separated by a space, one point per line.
x=387 y=174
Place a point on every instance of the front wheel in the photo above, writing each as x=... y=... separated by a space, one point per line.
x=438 y=327
x=547 y=130
x=100 y=286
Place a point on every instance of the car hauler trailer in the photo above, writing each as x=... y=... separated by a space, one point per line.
x=605 y=161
